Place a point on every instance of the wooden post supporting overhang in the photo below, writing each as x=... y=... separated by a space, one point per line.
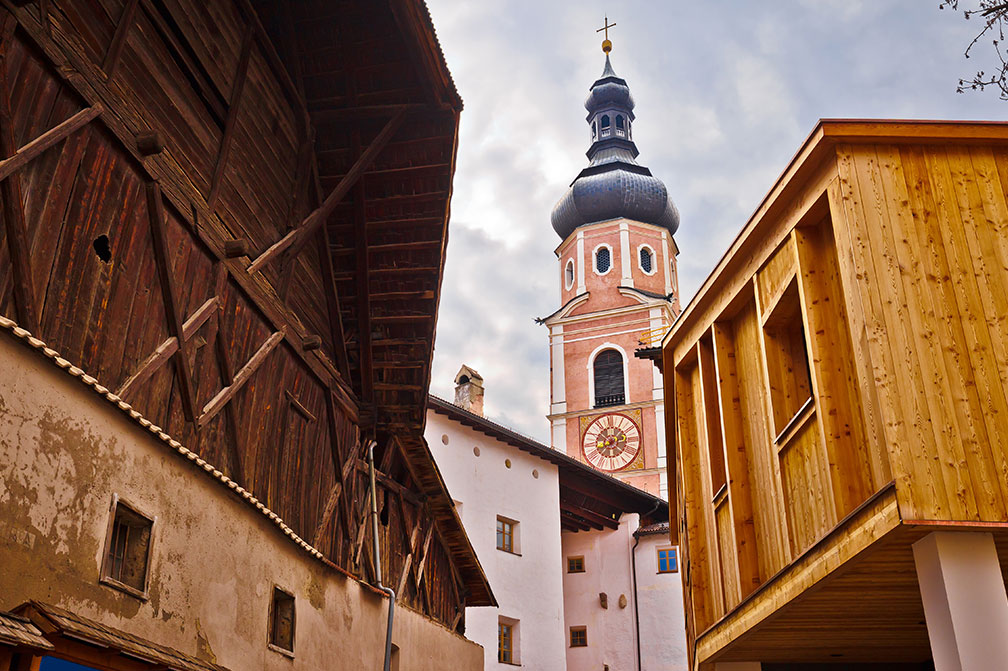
x=298 y=237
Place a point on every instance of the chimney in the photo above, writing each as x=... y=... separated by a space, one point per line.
x=469 y=390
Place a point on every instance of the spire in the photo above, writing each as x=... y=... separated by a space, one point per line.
x=613 y=185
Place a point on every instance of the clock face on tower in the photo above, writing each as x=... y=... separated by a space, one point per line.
x=611 y=442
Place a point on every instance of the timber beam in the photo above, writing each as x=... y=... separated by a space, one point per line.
x=217 y=403
x=296 y=238
x=169 y=347
x=169 y=292
x=22 y=156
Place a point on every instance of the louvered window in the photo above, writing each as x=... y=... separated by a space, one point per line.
x=603 y=260
x=646 y=259
x=608 y=372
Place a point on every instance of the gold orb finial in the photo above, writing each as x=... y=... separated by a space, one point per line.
x=606 y=44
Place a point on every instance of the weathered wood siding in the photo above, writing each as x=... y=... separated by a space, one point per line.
x=234 y=166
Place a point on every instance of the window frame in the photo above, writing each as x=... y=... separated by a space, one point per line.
x=654 y=259
x=592 y=371
x=570 y=563
x=105 y=569
x=675 y=559
x=569 y=272
x=272 y=622
x=580 y=629
x=512 y=527
x=612 y=259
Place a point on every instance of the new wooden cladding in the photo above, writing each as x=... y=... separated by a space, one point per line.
x=855 y=334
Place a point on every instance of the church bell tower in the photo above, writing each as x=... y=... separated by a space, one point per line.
x=618 y=288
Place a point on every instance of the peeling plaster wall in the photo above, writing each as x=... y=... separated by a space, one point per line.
x=64 y=453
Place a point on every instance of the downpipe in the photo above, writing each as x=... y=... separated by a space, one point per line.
x=377 y=558
x=633 y=570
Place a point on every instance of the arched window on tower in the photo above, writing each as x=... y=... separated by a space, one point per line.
x=608 y=377
x=594 y=131
x=620 y=130
x=605 y=125
x=569 y=275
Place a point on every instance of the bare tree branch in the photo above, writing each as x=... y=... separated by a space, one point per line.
x=994 y=16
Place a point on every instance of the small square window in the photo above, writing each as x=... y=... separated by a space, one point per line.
x=507 y=535
x=579 y=637
x=127 y=554
x=668 y=561
x=575 y=565
x=282 y=621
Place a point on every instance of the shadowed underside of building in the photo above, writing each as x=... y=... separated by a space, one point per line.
x=841 y=411
x=222 y=241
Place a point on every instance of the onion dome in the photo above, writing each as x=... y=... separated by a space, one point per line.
x=613 y=185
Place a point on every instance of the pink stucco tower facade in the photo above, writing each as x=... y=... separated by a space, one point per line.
x=618 y=283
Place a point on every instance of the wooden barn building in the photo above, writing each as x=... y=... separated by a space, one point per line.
x=840 y=427
x=222 y=239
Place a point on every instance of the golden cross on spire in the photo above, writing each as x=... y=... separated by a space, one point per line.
x=606 y=44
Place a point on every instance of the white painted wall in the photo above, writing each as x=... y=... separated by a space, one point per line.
x=611 y=631
x=529 y=587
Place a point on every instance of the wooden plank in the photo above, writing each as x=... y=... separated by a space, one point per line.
x=736 y=459
x=851 y=279
x=22 y=156
x=169 y=347
x=333 y=305
x=300 y=235
x=839 y=417
x=156 y=218
x=222 y=397
x=959 y=211
x=123 y=26
x=18 y=247
x=234 y=108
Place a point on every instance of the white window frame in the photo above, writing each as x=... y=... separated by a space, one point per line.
x=594 y=260
x=569 y=272
x=654 y=259
x=591 y=372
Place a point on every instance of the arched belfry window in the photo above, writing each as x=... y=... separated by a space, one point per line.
x=620 y=130
x=569 y=274
x=608 y=376
x=605 y=125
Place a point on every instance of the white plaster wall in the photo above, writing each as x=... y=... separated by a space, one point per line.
x=529 y=587
x=662 y=622
x=611 y=631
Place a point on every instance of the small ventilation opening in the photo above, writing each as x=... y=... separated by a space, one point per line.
x=102 y=248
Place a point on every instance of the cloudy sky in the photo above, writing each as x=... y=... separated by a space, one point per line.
x=726 y=92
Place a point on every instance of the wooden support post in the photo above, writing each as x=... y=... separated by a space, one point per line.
x=215 y=404
x=155 y=214
x=333 y=304
x=296 y=239
x=169 y=347
x=234 y=106
x=327 y=514
x=126 y=20
x=18 y=246
x=22 y=156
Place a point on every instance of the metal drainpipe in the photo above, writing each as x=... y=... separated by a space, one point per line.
x=633 y=570
x=377 y=559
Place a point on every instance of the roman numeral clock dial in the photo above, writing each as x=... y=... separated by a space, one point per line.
x=611 y=442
